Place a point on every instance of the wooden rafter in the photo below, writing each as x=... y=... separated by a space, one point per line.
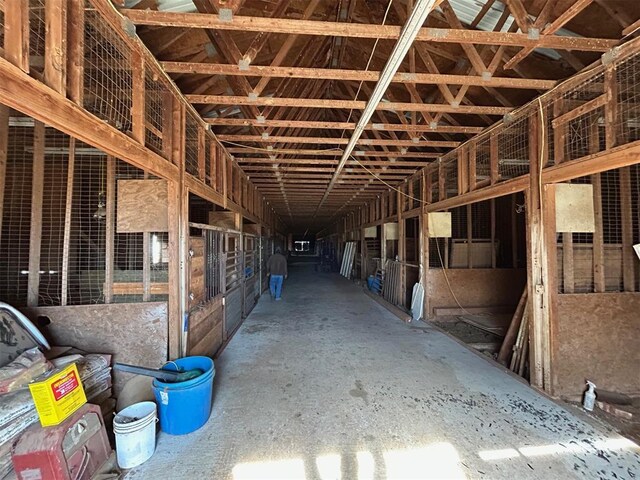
x=344 y=104
x=395 y=127
x=387 y=32
x=573 y=10
x=355 y=75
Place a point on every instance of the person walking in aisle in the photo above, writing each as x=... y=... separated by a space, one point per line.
x=277 y=269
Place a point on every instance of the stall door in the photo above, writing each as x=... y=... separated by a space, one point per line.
x=234 y=285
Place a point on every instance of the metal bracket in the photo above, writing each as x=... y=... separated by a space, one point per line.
x=225 y=15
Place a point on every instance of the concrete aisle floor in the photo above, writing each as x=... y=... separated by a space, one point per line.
x=327 y=384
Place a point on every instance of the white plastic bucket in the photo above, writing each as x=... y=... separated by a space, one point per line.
x=135 y=431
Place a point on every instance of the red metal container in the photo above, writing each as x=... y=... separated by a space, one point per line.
x=73 y=450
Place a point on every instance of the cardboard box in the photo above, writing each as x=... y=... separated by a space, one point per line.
x=58 y=395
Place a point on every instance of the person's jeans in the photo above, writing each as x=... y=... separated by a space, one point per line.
x=275 y=285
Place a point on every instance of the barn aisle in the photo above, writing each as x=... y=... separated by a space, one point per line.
x=327 y=384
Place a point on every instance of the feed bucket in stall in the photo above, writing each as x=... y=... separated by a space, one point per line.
x=185 y=406
x=135 y=431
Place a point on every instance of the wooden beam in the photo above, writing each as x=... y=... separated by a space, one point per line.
x=75 y=55
x=35 y=232
x=16 y=33
x=353 y=75
x=551 y=28
x=353 y=30
x=175 y=288
x=343 y=104
x=331 y=152
x=138 y=100
x=55 y=49
x=520 y=14
x=321 y=125
x=626 y=218
x=335 y=141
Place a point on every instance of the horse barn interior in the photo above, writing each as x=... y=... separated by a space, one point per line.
x=455 y=185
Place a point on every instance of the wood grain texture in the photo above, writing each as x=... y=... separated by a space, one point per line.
x=475 y=287
x=134 y=333
x=596 y=339
x=206 y=328
x=142 y=206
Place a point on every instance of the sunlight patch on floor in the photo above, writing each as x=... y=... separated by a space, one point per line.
x=610 y=445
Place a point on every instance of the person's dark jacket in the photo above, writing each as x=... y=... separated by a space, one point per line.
x=277 y=265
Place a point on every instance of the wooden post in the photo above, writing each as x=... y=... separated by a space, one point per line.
x=626 y=214
x=167 y=124
x=75 y=54
x=514 y=231
x=493 y=159
x=402 y=247
x=213 y=158
x=202 y=161
x=424 y=260
x=55 y=49
x=138 y=100
x=442 y=183
x=110 y=230
x=4 y=147
x=492 y=206
x=611 y=107
x=472 y=166
x=16 y=33
x=68 y=210
x=559 y=133
x=174 y=309
x=35 y=234
x=541 y=252
x=469 y=236
x=598 y=236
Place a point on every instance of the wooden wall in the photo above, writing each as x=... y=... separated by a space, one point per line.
x=596 y=336
x=206 y=328
x=135 y=333
x=481 y=287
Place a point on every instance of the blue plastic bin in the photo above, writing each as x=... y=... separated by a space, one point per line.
x=184 y=407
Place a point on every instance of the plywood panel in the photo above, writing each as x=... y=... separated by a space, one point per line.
x=475 y=287
x=134 y=333
x=223 y=220
x=439 y=224
x=574 y=208
x=596 y=338
x=142 y=206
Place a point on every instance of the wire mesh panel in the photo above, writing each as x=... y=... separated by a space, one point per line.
x=16 y=218
x=191 y=144
x=207 y=163
x=157 y=97
x=628 y=85
x=107 y=72
x=483 y=160
x=585 y=105
x=56 y=163
x=450 y=167
x=36 y=35
x=513 y=149
x=596 y=262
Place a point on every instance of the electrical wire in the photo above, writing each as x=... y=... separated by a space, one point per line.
x=275 y=150
x=446 y=278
